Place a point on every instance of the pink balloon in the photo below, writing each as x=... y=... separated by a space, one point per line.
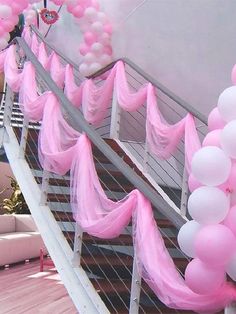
x=108 y=28
x=2 y=31
x=215 y=245
x=233 y=198
x=202 y=279
x=18 y=6
x=193 y=183
x=214 y=120
x=108 y=50
x=78 y=11
x=224 y=187
x=232 y=178
x=71 y=5
x=230 y=220
x=9 y=24
x=95 y=4
x=89 y=38
x=58 y=2
x=83 y=49
x=233 y=75
x=212 y=138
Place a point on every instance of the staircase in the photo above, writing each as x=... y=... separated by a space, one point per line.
x=100 y=275
x=108 y=263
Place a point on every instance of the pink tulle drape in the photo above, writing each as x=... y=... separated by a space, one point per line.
x=61 y=149
x=71 y=90
x=12 y=73
x=162 y=137
x=104 y=218
x=56 y=146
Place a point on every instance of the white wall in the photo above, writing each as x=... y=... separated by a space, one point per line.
x=188 y=45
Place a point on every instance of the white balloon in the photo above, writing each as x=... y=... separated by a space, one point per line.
x=5 y=11
x=84 y=69
x=94 y=67
x=97 y=27
x=105 y=59
x=208 y=205
x=89 y=58
x=228 y=136
x=97 y=48
x=101 y=16
x=227 y=104
x=90 y=14
x=186 y=237
x=211 y=166
x=231 y=268
x=105 y=39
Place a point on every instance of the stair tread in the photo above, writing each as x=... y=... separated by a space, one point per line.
x=122 y=260
x=123 y=239
x=60 y=215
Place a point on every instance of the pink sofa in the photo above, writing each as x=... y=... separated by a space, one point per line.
x=19 y=239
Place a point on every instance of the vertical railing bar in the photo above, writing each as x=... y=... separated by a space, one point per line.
x=115 y=117
x=145 y=157
x=44 y=187
x=78 y=240
x=24 y=135
x=9 y=100
x=184 y=193
x=135 y=288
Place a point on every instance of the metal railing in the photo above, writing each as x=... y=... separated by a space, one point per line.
x=168 y=177
x=109 y=264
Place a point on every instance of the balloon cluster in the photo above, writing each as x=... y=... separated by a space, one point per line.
x=97 y=30
x=9 y=11
x=210 y=238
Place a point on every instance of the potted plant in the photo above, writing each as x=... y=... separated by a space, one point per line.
x=16 y=203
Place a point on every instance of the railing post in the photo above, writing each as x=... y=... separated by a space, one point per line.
x=23 y=140
x=44 y=187
x=115 y=117
x=146 y=157
x=184 y=193
x=9 y=100
x=135 y=289
x=77 y=245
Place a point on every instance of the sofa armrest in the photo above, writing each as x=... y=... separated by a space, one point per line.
x=7 y=223
x=25 y=223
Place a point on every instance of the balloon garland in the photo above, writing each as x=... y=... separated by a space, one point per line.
x=96 y=47
x=210 y=238
x=97 y=30
x=9 y=12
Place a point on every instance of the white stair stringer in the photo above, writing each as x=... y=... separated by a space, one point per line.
x=77 y=283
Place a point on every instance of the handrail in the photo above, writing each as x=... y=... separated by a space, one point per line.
x=155 y=83
x=76 y=119
x=68 y=60
x=135 y=67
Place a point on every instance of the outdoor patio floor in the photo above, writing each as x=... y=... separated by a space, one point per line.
x=26 y=290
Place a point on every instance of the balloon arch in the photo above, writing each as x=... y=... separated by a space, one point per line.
x=96 y=47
